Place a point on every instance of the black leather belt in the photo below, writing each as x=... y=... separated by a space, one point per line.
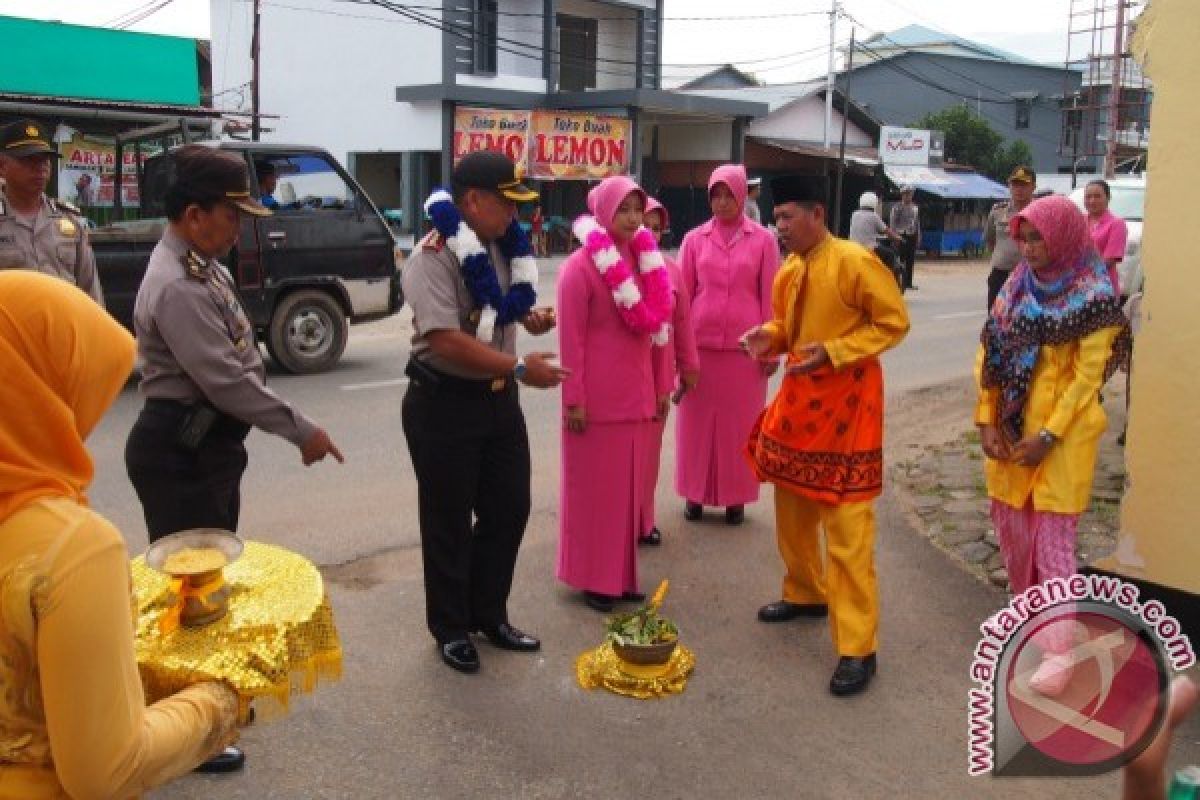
x=421 y=373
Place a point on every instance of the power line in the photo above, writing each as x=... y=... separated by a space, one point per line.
x=128 y=23
x=719 y=18
x=131 y=12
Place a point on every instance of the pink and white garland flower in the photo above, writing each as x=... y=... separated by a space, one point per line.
x=643 y=314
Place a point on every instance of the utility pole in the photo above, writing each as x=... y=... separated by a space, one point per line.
x=837 y=203
x=1114 y=95
x=255 y=41
x=833 y=13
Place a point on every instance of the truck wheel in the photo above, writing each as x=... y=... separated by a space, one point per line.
x=307 y=332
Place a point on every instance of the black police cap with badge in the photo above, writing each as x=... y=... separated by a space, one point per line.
x=496 y=172
x=23 y=138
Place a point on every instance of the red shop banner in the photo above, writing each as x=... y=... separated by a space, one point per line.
x=491 y=129
x=578 y=146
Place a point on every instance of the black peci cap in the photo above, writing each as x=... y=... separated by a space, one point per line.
x=25 y=138
x=800 y=189
x=208 y=174
x=487 y=169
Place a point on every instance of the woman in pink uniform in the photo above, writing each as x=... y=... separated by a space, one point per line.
x=1109 y=232
x=614 y=304
x=728 y=265
x=680 y=370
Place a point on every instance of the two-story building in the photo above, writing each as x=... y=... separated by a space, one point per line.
x=571 y=88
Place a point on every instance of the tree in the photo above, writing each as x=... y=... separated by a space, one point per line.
x=971 y=140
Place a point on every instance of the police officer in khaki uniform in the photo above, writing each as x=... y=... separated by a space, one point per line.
x=1006 y=252
x=463 y=423
x=202 y=375
x=36 y=231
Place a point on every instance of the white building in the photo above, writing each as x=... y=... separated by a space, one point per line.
x=387 y=89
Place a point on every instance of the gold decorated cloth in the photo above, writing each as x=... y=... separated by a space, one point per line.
x=277 y=639
x=602 y=668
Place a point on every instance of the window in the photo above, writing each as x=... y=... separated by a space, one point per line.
x=576 y=53
x=1023 y=107
x=485 y=15
x=301 y=183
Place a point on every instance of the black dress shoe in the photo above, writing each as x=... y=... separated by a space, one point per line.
x=782 y=611
x=506 y=637
x=651 y=539
x=852 y=675
x=633 y=597
x=231 y=759
x=693 y=511
x=600 y=602
x=735 y=515
x=461 y=655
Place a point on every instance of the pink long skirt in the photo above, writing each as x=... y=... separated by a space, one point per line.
x=600 y=516
x=649 y=518
x=714 y=421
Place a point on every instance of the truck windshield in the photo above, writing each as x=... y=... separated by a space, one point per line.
x=301 y=182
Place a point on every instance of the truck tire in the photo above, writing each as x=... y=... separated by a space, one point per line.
x=307 y=332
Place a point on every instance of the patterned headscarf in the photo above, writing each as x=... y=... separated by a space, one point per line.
x=1072 y=299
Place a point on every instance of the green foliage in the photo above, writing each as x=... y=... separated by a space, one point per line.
x=643 y=626
x=971 y=141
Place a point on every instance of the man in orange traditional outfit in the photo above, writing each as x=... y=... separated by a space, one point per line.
x=820 y=441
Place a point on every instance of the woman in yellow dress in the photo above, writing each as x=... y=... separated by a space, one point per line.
x=1055 y=334
x=73 y=719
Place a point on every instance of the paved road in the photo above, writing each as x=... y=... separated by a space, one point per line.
x=756 y=721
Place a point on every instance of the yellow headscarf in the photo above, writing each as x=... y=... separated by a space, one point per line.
x=63 y=360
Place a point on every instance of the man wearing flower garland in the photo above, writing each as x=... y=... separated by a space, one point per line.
x=469 y=282
x=835 y=309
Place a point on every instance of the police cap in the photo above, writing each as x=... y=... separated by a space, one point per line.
x=205 y=174
x=487 y=169
x=1023 y=174
x=24 y=138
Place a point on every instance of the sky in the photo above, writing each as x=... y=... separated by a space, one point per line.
x=776 y=49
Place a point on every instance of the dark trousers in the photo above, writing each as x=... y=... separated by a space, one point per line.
x=908 y=257
x=996 y=280
x=180 y=488
x=470 y=453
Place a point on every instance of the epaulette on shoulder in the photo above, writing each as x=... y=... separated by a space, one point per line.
x=63 y=205
x=432 y=241
x=1001 y=204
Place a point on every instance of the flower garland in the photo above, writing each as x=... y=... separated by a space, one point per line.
x=648 y=314
x=495 y=306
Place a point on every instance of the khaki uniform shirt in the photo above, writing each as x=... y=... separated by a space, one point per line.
x=440 y=300
x=1006 y=253
x=54 y=242
x=196 y=343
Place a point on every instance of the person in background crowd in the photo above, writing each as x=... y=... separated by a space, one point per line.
x=835 y=309
x=85 y=193
x=682 y=364
x=268 y=179
x=38 y=232
x=1005 y=251
x=728 y=265
x=753 y=190
x=1109 y=232
x=614 y=310
x=1055 y=334
x=866 y=226
x=537 y=227
x=73 y=717
x=905 y=220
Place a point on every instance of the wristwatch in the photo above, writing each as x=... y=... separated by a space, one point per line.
x=1047 y=437
x=519 y=369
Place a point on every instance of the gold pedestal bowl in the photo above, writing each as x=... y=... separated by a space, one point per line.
x=195 y=560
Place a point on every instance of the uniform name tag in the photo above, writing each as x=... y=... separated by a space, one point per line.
x=8 y=238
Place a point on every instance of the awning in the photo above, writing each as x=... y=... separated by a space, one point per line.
x=951 y=185
x=864 y=156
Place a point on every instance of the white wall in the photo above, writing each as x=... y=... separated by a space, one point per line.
x=330 y=71
x=804 y=120
x=527 y=31
x=695 y=142
x=616 y=39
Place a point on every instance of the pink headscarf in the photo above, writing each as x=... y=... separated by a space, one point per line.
x=734 y=177
x=604 y=200
x=1063 y=227
x=652 y=204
